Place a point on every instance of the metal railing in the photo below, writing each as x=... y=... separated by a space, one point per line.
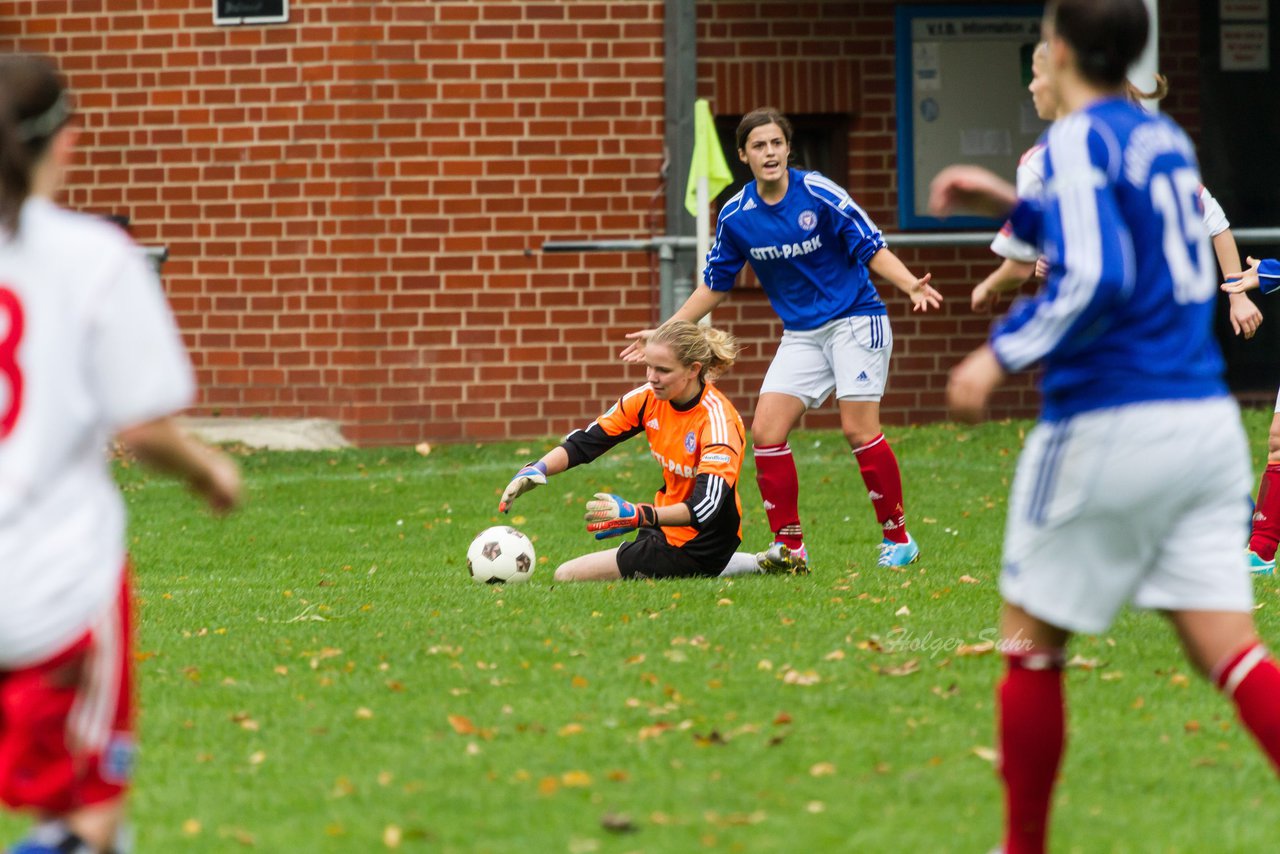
x=663 y=245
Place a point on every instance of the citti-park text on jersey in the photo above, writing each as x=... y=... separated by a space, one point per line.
x=786 y=250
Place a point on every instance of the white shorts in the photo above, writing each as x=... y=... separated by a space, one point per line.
x=1145 y=503
x=849 y=355
x=1277 y=401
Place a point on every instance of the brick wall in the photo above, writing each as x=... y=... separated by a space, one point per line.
x=348 y=198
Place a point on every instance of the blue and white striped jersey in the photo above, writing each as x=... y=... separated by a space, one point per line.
x=809 y=251
x=1126 y=315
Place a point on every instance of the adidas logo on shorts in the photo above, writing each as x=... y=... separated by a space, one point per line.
x=862 y=377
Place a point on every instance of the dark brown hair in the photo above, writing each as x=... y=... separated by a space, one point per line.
x=759 y=117
x=1106 y=35
x=33 y=108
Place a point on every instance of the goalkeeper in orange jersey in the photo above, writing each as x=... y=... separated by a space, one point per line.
x=694 y=525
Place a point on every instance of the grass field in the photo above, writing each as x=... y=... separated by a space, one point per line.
x=319 y=674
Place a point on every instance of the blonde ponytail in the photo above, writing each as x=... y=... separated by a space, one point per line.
x=716 y=349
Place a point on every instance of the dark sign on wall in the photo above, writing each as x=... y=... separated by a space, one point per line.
x=231 y=12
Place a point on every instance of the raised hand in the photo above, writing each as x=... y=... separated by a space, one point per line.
x=923 y=296
x=635 y=350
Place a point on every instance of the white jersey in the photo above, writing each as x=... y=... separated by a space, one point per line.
x=1214 y=219
x=1030 y=184
x=87 y=347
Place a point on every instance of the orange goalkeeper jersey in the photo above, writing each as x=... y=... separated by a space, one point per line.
x=698 y=444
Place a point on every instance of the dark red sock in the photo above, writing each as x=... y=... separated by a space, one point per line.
x=780 y=489
x=880 y=473
x=1266 y=515
x=1252 y=680
x=1032 y=734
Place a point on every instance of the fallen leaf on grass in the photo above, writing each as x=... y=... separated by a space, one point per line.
x=191 y=827
x=392 y=836
x=461 y=725
x=904 y=611
x=653 y=730
x=423 y=448
x=986 y=754
x=834 y=655
x=983 y=648
x=1085 y=663
x=569 y=729
x=795 y=677
x=911 y=665
x=575 y=779
x=618 y=823
x=245 y=722
x=782 y=718
x=969 y=579
x=822 y=769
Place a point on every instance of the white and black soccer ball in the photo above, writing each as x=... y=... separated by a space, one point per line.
x=500 y=554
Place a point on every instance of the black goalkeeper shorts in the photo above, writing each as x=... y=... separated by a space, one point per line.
x=649 y=555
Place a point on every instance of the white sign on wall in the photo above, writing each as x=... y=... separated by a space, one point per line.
x=1246 y=47
x=1242 y=10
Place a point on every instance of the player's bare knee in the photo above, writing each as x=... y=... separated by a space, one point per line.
x=564 y=572
x=859 y=437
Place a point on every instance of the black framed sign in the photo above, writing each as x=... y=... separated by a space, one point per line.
x=234 y=12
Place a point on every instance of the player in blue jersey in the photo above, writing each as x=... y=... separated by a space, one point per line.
x=1133 y=485
x=811 y=246
x=1265 y=532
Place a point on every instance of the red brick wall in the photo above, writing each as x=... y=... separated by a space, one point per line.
x=348 y=198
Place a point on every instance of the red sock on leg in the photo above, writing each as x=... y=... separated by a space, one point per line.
x=1266 y=515
x=780 y=489
x=1252 y=680
x=1032 y=734
x=880 y=473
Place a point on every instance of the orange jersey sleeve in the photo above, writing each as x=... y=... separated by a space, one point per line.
x=622 y=421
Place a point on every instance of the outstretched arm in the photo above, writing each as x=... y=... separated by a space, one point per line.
x=1245 y=316
x=1009 y=275
x=888 y=266
x=165 y=446
x=699 y=304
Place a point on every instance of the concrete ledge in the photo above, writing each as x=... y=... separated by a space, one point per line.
x=274 y=434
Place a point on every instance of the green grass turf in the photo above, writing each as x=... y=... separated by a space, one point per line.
x=318 y=673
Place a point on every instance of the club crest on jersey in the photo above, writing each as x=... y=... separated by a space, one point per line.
x=690 y=442
x=807 y=220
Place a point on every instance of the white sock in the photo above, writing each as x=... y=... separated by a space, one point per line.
x=742 y=563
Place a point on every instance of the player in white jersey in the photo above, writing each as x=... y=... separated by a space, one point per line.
x=1020 y=258
x=1131 y=486
x=88 y=350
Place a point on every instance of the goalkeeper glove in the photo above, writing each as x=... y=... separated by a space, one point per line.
x=534 y=474
x=609 y=516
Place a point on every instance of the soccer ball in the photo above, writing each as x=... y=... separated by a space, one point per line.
x=500 y=554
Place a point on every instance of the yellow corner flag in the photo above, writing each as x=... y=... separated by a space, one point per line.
x=708 y=158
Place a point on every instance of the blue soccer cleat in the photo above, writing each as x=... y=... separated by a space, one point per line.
x=779 y=559
x=1259 y=565
x=898 y=554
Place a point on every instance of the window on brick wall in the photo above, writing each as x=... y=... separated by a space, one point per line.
x=819 y=141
